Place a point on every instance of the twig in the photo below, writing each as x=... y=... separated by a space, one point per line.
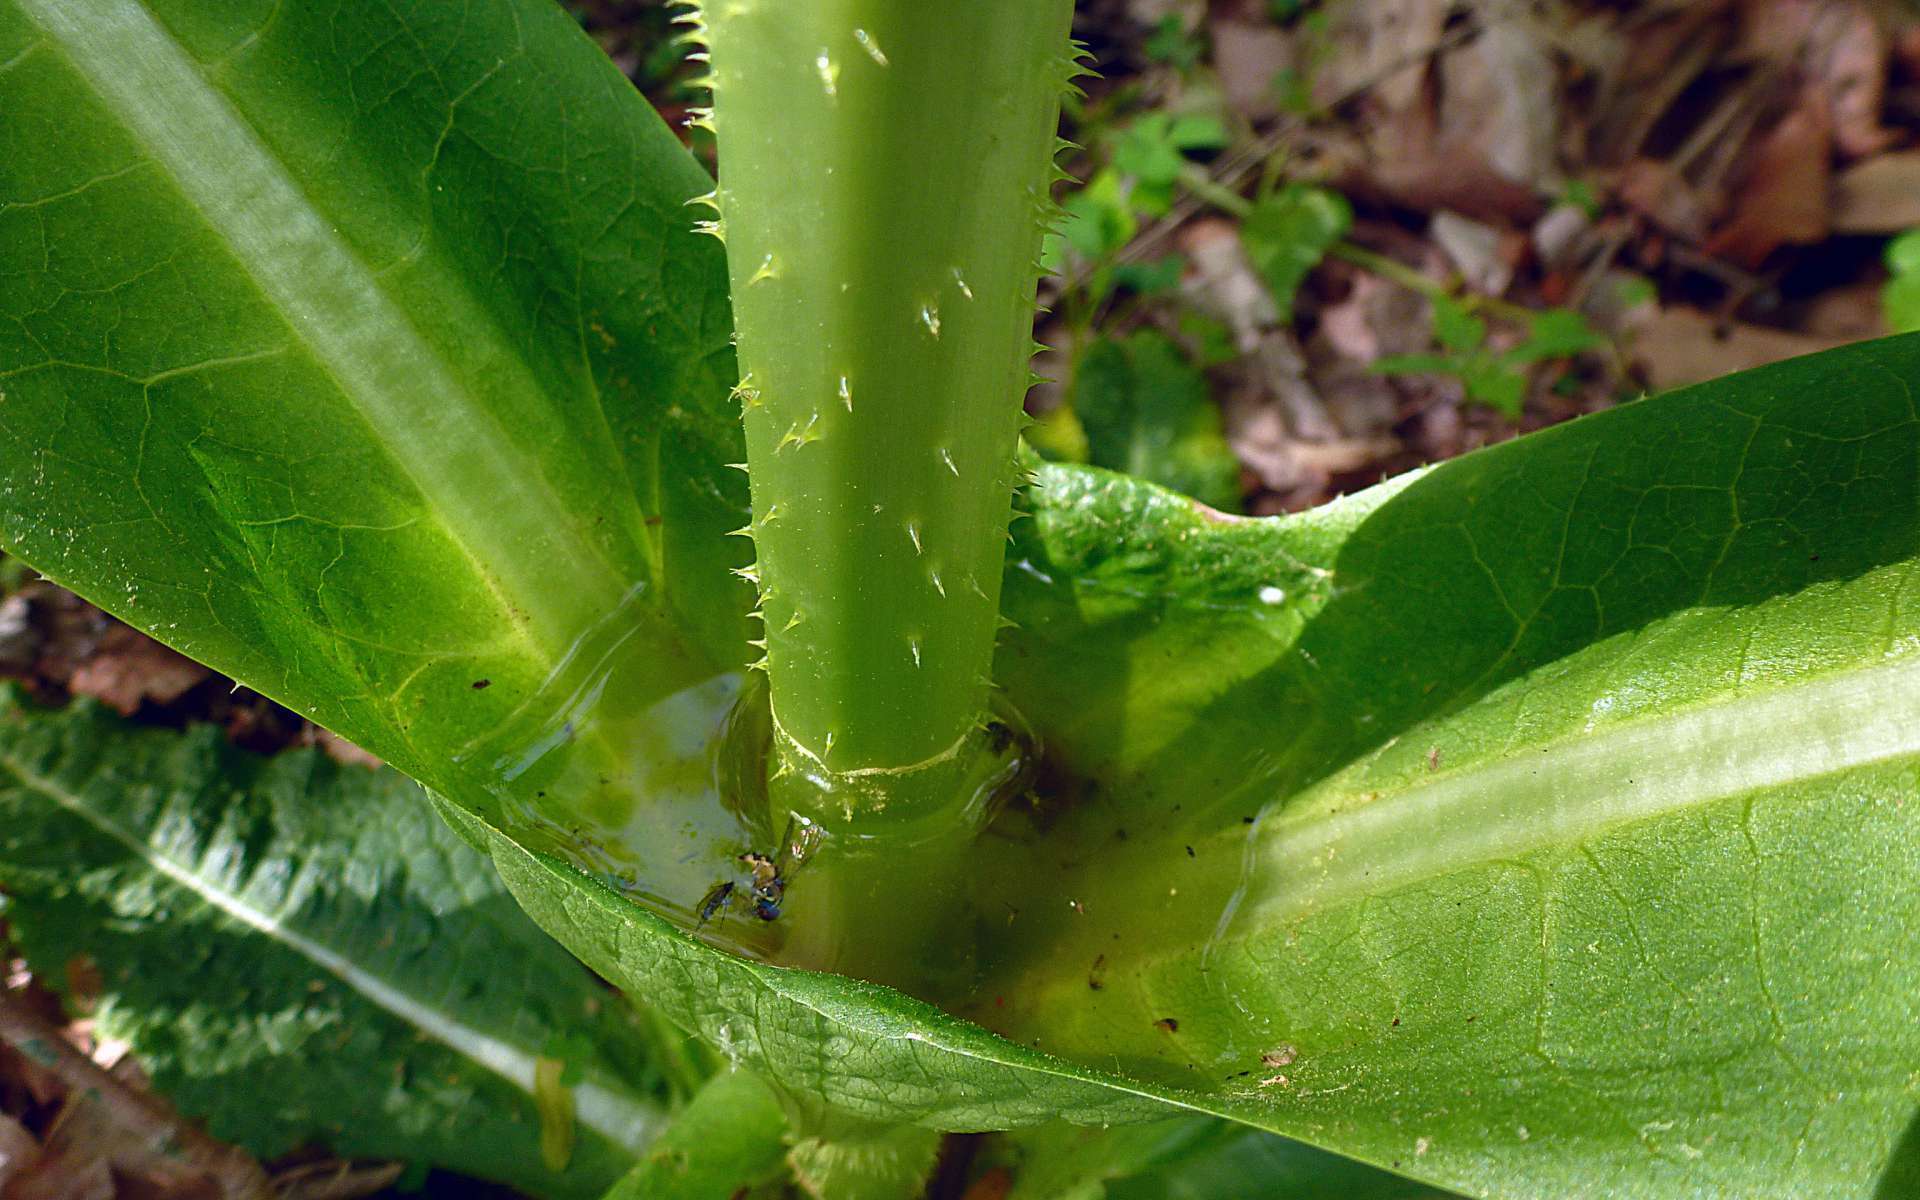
x=1400 y=273
x=148 y=1121
x=335 y=1180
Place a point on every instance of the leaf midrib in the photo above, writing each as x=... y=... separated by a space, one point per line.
x=1570 y=790
x=489 y=495
x=622 y=1119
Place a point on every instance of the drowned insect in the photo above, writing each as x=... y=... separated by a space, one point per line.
x=768 y=875
x=715 y=899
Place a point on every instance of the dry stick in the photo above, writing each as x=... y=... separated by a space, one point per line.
x=336 y=1180
x=148 y=1121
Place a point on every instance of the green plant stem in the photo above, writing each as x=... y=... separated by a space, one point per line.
x=1400 y=273
x=883 y=185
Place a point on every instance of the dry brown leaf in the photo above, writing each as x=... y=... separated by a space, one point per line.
x=129 y=668
x=1852 y=313
x=107 y=1121
x=19 y=1150
x=341 y=750
x=1410 y=170
x=335 y=1180
x=1363 y=403
x=1880 y=195
x=1375 y=319
x=1561 y=236
x=1657 y=192
x=1149 y=13
x=1485 y=256
x=1500 y=98
x=1248 y=57
x=63 y=1175
x=1366 y=43
x=1849 y=61
x=1785 y=196
x=1221 y=281
x=1657 y=60
x=1840 y=50
x=1682 y=345
x=994 y=1184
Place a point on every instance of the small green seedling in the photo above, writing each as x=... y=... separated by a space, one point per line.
x=1900 y=296
x=1495 y=378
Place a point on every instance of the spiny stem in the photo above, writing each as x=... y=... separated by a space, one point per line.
x=884 y=180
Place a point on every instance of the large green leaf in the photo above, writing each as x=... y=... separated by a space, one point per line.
x=1187 y=1158
x=1146 y=411
x=367 y=353
x=296 y=930
x=1550 y=813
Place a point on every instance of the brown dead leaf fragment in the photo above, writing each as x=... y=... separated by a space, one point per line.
x=19 y=1150
x=995 y=1183
x=1663 y=196
x=1499 y=98
x=106 y=1122
x=1840 y=50
x=334 y=1179
x=1785 y=195
x=129 y=668
x=1411 y=170
x=1878 y=196
x=70 y=1174
x=1642 y=69
x=1249 y=56
x=1378 y=47
x=1682 y=345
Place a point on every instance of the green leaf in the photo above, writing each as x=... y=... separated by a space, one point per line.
x=366 y=352
x=1579 y=773
x=822 y=1041
x=1153 y=149
x=1900 y=298
x=295 y=929
x=1288 y=233
x=1194 y=1158
x=1555 y=333
x=727 y=1140
x=1456 y=328
x=1415 y=364
x=1149 y=412
x=1903 y=253
x=1900 y=301
x=1098 y=220
x=1155 y=278
x=1495 y=384
x=1222 y=1165
x=1170 y=43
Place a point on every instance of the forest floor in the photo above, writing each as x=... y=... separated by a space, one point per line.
x=1316 y=244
